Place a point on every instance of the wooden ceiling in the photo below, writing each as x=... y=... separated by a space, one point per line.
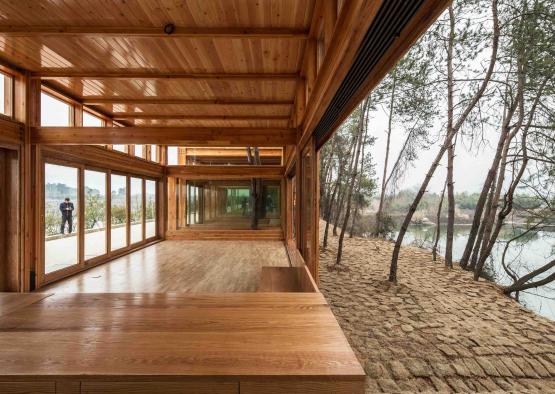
x=229 y=63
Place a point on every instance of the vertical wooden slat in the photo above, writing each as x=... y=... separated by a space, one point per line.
x=108 y=212
x=128 y=208
x=81 y=217
x=144 y=208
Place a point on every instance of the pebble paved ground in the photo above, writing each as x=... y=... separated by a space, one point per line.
x=437 y=330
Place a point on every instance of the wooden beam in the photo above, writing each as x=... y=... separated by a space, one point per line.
x=153 y=32
x=167 y=101
x=157 y=75
x=195 y=136
x=226 y=172
x=138 y=115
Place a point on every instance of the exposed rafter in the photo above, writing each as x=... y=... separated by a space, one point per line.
x=158 y=100
x=155 y=32
x=138 y=115
x=192 y=136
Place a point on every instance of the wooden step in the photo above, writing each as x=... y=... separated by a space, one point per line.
x=279 y=279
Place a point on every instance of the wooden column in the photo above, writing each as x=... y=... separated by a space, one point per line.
x=27 y=111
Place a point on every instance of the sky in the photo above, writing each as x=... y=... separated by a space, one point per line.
x=470 y=168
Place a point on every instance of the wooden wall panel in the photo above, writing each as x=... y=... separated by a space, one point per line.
x=303 y=387
x=11 y=133
x=28 y=387
x=159 y=388
x=9 y=220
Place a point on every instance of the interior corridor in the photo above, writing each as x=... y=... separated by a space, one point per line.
x=181 y=266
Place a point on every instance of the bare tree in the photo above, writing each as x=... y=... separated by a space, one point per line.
x=448 y=140
x=353 y=176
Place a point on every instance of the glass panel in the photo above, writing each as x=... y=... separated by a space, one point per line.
x=271 y=195
x=60 y=217
x=95 y=214
x=119 y=211
x=54 y=112
x=306 y=206
x=6 y=85
x=228 y=204
x=120 y=148
x=172 y=155
x=153 y=153
x=136 y=210
x=232 y=156
x=139 y=150
x=89 y=120
x=150 y=208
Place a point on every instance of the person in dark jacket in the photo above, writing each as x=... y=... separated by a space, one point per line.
x=66 y=208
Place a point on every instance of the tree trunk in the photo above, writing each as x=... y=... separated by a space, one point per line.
x=448 y=140
x=438 y=223
x=339 y=207
x=451 y=147
x=480 y=237
x=359 y=183
x=379 y=215
x=353 y=177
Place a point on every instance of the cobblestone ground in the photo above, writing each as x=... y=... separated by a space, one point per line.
x=437 y=330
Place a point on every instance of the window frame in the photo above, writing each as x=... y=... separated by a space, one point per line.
x=84 y=264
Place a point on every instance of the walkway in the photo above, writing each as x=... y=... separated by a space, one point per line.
x=183 y=266
x=437 y=330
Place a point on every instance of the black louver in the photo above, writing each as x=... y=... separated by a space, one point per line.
x=392 y=17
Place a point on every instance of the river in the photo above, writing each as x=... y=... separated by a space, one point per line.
x=525 y=254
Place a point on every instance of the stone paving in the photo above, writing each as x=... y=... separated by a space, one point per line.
x=437 y=329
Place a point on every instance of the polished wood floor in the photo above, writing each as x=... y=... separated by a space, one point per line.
x=174 y=343
x=181 y=266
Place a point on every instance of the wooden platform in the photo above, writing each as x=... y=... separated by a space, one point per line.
x=174 y=343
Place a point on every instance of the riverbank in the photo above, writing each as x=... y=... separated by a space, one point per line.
x=437 y=330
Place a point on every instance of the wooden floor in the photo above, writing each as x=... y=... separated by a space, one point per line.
x=174 y=343
x=181 y=266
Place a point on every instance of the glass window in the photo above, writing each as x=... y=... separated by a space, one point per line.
x=95 y=214
x=136 y=210
x=153 y=149
x=89 y=120
x=150 y=211
x=120 y=148
x=60 y=217
x=306 y=206
x=6 y=89
x=229 y=204
x=172 y=155
x=118 y=211
x=54 y=112
x=139 y=150
x=232 y=156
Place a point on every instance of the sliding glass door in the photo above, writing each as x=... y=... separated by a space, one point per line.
x=136 y=210
x=95 y=214
x=61 y=207
x=118 y=211
x=150 y=208
x=91 y=214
